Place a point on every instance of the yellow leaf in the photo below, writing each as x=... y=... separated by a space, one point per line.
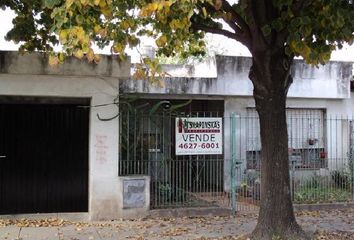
x=102 y=3
x=161 y=41
x=97 y=58
x=81 y=35
x=85 y=47
x=204 y=12
x=180 y=24
x=139 y=74
x=61 y=57
x=103 y=32
x=106 y=12
x=97 y=28
x=153 y=6
x=118 y=48
x=161 y=84
x=53 y=60
x=68 y=3
x=227 y=16
x=124 y=25
x=131 y=23
x=167 y=3
x=217 y=5
x=63 y=34
x=79 y=54
x=143 y=13
x=172 y=24
x=90 y=55
x=160 y=6
x=97 y=2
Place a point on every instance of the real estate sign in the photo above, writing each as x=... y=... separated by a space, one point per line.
x=198 y=136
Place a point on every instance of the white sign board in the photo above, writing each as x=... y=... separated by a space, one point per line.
x=198 y=136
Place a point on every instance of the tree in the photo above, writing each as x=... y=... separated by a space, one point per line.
x=274 y=31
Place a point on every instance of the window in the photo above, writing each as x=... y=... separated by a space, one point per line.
x=306 y=138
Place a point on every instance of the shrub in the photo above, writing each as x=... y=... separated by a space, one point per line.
x=341 y=179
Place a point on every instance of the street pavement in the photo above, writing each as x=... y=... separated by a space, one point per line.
x=335 y=224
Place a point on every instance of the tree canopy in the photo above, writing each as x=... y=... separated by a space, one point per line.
x=307 y=28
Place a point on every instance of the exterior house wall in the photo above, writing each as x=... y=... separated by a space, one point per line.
x=29 y=75
x=228 y=76
x=336 y=110
x=324 y=87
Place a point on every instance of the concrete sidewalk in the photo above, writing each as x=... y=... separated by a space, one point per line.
x=325 y=224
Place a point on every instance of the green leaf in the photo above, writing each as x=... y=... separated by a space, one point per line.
x=278 y=25
x=266 y=29
x=177 y=106
x=51 y=3
x=79 y=19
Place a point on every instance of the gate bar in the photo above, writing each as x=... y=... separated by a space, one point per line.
x=233 y=164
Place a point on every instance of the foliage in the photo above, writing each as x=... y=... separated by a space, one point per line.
x=314 y=182
x=135 y=117
x=252 y=177
x=341 y=179
x=322 y=195
x=170 y=194
x=212 y=48
x=311 y=29
x=319 y=189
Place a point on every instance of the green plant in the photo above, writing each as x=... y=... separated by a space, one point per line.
x=169 y=193
x=252 y=177
x=313 y=182
x=341 y=179
x=165 y=192
x=321 y=195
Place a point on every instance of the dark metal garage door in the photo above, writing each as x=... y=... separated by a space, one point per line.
x=44 y=155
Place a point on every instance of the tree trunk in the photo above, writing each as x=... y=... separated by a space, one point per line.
x=270 y=74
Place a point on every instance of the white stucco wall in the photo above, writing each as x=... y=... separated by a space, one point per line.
x=30 y=76
x=339 y=111
x=228 y=76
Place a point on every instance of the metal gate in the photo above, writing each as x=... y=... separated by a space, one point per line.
x=44 y=149
x=147 y=146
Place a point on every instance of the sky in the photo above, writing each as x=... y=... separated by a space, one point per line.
x=226 y=46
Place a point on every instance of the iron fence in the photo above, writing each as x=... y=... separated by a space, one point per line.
x=187 y=183
x=321 y=151
x=321 y=157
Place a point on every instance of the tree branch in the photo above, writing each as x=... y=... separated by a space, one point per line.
x=234 y=26
x=243 y=26
x=205 y=28
x=257 y=39
x=210 y=8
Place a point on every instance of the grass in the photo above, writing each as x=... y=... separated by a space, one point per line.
x=322 y=195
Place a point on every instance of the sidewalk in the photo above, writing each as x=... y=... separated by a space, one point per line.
x=337 y=224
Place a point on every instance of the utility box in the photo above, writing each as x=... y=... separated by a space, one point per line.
x=134 y=194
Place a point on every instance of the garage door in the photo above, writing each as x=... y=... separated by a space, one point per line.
x=44 y=155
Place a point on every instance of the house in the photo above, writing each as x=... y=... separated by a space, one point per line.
x=82 y=137
x=320 y=125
